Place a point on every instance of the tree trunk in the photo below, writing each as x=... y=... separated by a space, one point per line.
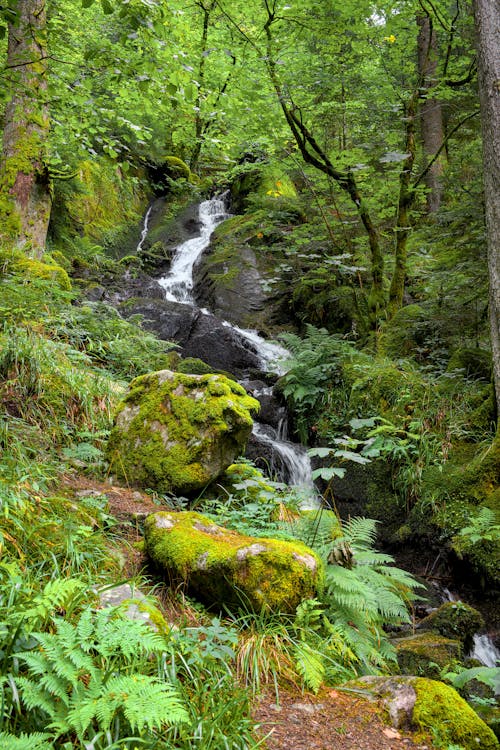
x=487 y=18
x=25 y=198
x=431 y=114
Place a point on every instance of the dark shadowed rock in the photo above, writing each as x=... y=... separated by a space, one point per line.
x=198 y=334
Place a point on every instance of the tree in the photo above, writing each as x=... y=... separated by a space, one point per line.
x=487 y=20
x=25 y=197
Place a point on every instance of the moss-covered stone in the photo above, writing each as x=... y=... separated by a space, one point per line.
x=454 y=620
x=426 y=653
x=177 y=432
x=432 y=707
x=442 y=712
x=223 y=567
x=19 y=264
x=472 y=362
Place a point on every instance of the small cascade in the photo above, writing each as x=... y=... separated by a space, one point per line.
x=291 y=462
x=270 y=355
x=485 y=651
x=178 y=283
x=483 y=648
x=145 y=230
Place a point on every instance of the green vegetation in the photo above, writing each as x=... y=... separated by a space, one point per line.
x=348 y=140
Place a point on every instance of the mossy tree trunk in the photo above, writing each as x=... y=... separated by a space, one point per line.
x=25 y=197
x=487 y=19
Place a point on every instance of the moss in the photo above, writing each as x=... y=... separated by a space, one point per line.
x=455 y=620
x=440 y=710
x=246 y=482
x=224 y=567
x=473 y=362
x=406 y=332
x=426 y=654
x=175 y=431
x=194 y=366
x=19 y=264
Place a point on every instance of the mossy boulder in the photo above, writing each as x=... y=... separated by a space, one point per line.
x=472 y=362
x=225 y=568
x=454 y=620
x=426 y=653
x=15 y=262
x=177 y=432
x=430 y=706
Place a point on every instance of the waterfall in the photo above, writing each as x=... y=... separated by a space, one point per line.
x=145 y=230
x=178 y=283
x=485 y=651
x=289 y=459
x=483 y=648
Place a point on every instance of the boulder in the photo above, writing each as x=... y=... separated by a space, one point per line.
x=198 y=334
x=176 y=432
x=431 y=706
x=454 y=620
x=224 y=568
x=426 y=653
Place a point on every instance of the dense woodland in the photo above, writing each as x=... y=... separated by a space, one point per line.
x=357 y=148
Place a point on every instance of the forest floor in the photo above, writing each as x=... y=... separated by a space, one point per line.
x=331 y=720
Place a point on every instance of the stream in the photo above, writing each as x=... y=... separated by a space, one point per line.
x=288 y=462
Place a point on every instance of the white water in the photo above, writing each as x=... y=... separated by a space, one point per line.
x=145 y=230
x=483 y=648
x=178 y=283
x=295 y=460
x=270 y=355
x=485 y=651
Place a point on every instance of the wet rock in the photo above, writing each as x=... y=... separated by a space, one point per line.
x=198 y=334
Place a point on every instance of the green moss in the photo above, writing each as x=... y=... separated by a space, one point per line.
x=455 y=620
x=176 y=431
x=426 y=654
x=440 y=710
x=224 y=567
x=19 y=264
x=471 y=362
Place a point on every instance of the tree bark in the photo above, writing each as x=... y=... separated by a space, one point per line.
x=25 y=196
x=487 y=20
x=431 y=114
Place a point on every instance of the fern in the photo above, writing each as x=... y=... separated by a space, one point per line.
x=363 y=591
x=310 y=665
x=84 y=678
x=36 y=741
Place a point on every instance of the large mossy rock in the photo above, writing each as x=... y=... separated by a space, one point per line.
x=222 y=567
x=426 y=653
x=454 y=620
x=177 y=432
x=430 y=706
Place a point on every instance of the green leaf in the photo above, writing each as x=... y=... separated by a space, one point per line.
x=321 y=452
x=328 y=473
x=358 y=424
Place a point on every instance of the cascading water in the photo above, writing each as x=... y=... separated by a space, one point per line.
x=178 y=283
x=145 y=230
x=291 y=460
x=483 y=648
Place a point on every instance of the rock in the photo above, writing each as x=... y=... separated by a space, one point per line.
x=176 y=432
x=426 y=653
x=225 y=568
x=198 y=334
x=431 y=706
x=454 y=620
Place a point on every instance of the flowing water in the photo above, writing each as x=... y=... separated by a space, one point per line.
x=145 y=230
x=178 y=283
x=291 y=462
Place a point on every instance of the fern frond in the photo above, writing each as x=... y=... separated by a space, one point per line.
x=56 y=594
x=35 y=741
x=310 y=665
